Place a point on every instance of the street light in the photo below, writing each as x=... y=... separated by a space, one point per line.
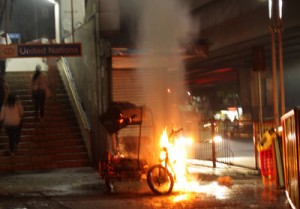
x=57 y=20
x=275 y=15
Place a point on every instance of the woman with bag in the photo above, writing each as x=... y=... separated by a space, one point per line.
x=11 y=115
x=39 y=91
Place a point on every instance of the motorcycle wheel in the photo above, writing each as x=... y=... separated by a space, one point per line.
x=160 y=180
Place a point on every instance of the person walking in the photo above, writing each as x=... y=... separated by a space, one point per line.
x=38 y=89
x=11 y=115
x=4 y=91
x=4 y=40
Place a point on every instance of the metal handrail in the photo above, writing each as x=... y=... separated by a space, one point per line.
x=75 y=94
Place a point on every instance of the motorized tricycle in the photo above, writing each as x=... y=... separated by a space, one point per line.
x=118 y=167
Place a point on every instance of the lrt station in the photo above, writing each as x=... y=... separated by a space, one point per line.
x=220 y=73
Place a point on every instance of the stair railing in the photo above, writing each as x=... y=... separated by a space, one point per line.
x=75 y=95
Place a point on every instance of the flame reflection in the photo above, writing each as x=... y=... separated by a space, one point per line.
x=177 y=153
x=220 y=192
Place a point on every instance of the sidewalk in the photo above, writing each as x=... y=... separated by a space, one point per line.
x=221 y=187
x=71 y=181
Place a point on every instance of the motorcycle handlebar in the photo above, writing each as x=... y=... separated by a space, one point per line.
x=174 y=132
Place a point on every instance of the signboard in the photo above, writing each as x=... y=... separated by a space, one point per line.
x=258 y=58
x=40 y=50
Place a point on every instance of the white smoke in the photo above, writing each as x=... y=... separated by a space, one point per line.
x=163 y=25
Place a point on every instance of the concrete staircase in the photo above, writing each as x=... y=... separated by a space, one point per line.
x=55 y=143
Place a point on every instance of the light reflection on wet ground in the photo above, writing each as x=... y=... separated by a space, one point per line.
x=82 y=188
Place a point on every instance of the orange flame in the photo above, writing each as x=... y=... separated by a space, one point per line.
x=177 y=157
x=177 y=150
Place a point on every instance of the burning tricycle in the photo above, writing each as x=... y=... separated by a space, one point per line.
x=117 y=166
x=121 y=164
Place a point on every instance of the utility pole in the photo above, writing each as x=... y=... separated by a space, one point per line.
x=258 y=56
x=275 y=15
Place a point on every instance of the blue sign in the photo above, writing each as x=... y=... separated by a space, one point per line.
x=14 y=35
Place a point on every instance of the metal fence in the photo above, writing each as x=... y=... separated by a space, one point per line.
x=216 y=139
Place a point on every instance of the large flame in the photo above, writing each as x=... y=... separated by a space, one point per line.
x=176 y=147
x=177 y=152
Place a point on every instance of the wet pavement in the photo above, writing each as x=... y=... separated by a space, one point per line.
x=82 y=188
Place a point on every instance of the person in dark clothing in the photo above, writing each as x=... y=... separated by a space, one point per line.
x=4 y=91
x=5 y=40
x=38 y=88
x=2 y=67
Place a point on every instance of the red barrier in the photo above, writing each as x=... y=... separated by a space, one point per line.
x=267 y=166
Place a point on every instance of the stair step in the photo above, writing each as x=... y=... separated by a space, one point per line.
x=44 y=166
x=54 y=143
x=50 y=143
x=40 y=152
